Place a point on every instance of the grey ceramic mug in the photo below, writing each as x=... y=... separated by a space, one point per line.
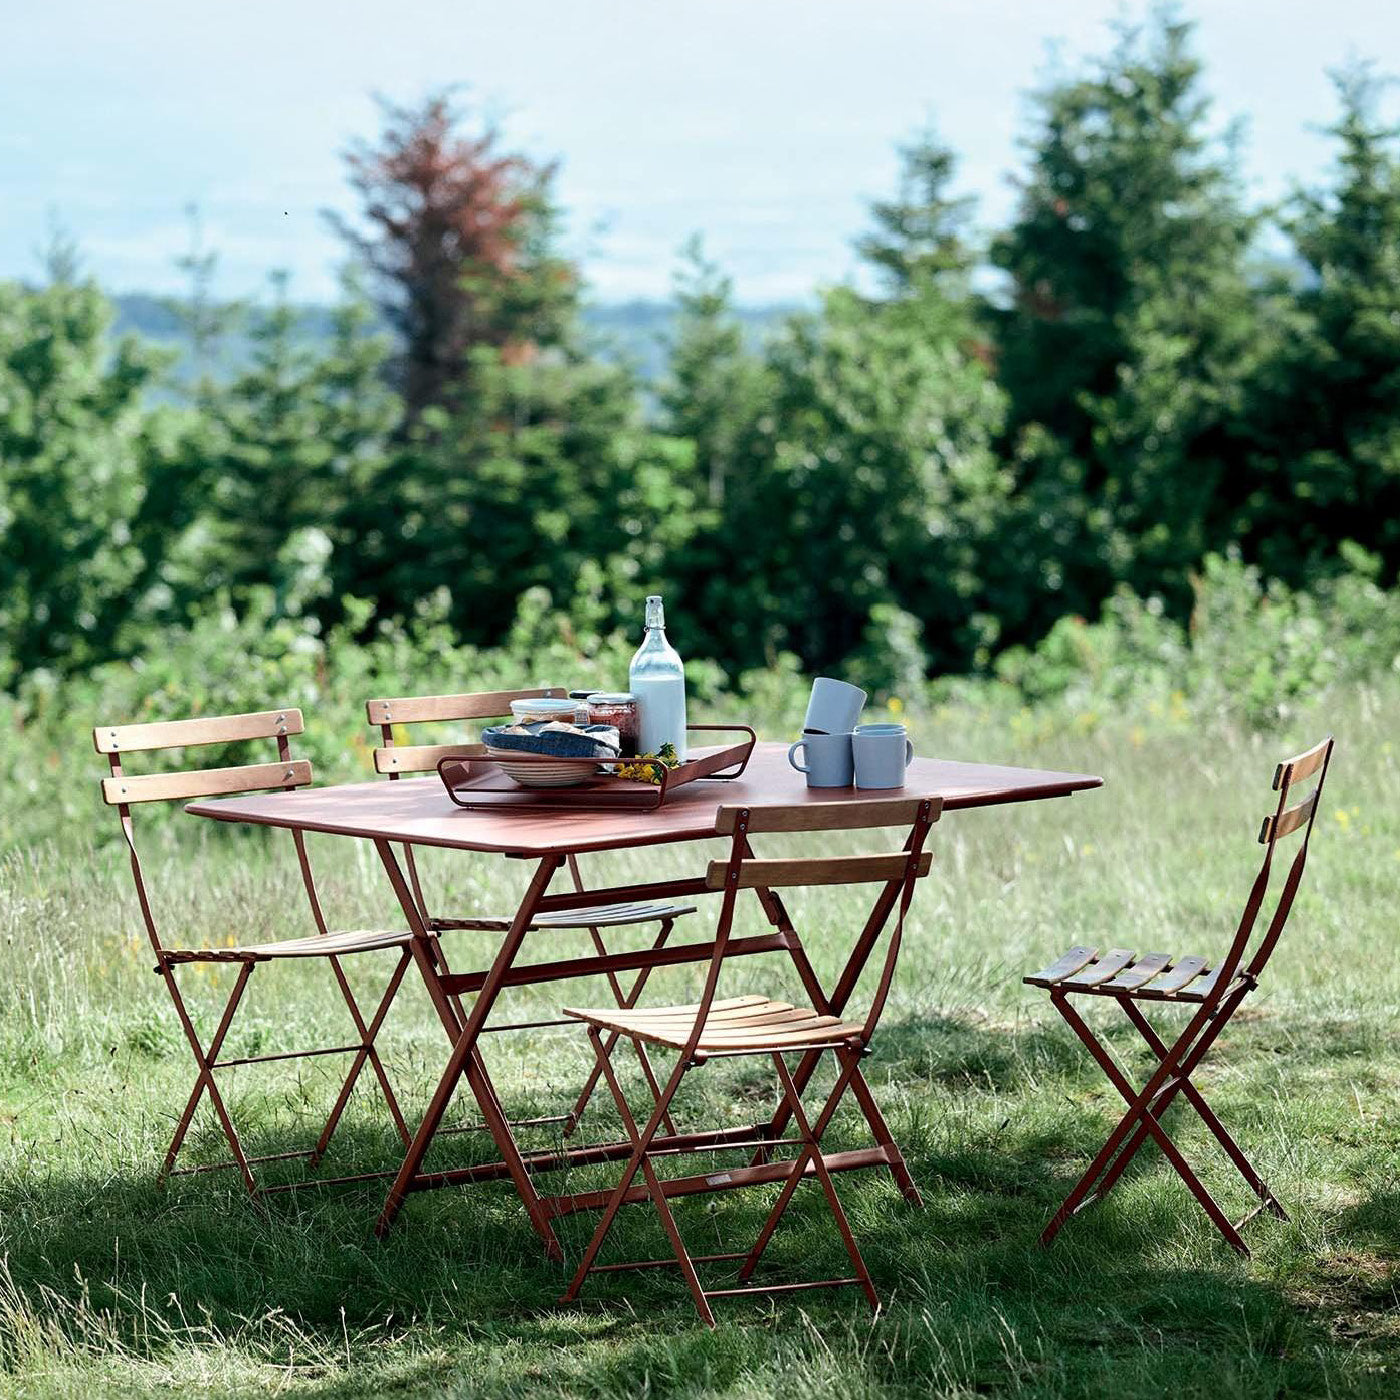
x=834 y=707
x=881 y=753
x=829 y=760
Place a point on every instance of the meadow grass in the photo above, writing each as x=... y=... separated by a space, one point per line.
x=112 y=1286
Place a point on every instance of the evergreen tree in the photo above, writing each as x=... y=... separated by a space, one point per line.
x=1322 y=413
x=921 y=235
x=1130 y=327
x=72 y=449
x=867 y=488
x=714 y=388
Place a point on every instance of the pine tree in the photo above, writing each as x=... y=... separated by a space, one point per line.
x=1322 y=413
x=866 y=487
x=72 y=449
x=1130 y=328
x=714 y=389
x=921 y=235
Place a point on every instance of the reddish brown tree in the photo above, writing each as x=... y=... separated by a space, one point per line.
x=457 y=238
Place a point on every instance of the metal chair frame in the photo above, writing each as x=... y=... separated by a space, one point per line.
x=123 y=790
x=1218 y=993
x=776 y=1031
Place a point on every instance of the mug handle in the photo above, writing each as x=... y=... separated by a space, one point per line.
x=800 y=744
x=908 y=752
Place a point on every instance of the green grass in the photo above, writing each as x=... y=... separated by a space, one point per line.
x=111 y=1286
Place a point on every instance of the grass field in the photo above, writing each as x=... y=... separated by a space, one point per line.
x=112 y=1286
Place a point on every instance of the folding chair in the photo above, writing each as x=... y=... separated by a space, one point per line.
x=396 y=760
x=123 y=791
x=1215 y=991
x=715 y=1028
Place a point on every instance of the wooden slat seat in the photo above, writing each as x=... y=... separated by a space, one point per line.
x=738 y=1023
x=604 y=916
x=319 y=945
x=1121 y=973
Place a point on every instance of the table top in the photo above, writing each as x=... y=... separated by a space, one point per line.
x=418 y=810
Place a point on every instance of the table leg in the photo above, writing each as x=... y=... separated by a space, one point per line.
x=463 y=1060
x=624 y=1000
x=424 y=952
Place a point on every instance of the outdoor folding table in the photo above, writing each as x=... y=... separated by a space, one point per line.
x=418 y=812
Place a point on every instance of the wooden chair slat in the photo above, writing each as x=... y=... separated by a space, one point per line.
x=1179 y=977
x=1303 y=765
x=1112 y=962
x=750 y=1013
x=320 y=945
x=762 y=1024
x=603 y=916
x=204 y=782
x=815 y=870
x=826 y=816
x=1063 y=966
x=772 y=1015
x=1200 y=989
x=1140 y=973
x=482 y=704
x=420 y=758
x=1288 y=822
x=184 y=733
x=720 y=1004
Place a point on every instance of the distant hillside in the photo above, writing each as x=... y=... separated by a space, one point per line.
x=634 y=331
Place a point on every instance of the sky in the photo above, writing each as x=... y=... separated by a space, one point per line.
x=766 y=125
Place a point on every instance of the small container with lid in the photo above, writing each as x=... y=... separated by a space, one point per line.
x=619 y=709
x=549 y=708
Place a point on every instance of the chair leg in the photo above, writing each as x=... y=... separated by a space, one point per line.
x=875 y=1120
x=1139 y=1116
x=849 y=1065
x=1197 y=1101
x=814 y=1153
x=638 y=1161
x=205 y=1081
x=366 y=1054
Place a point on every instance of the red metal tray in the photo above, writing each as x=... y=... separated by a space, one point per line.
x=476 y=780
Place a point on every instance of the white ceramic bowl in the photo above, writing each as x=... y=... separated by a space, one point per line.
x=558 y=772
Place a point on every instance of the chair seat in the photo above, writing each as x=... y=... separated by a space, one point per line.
x=320 y=945
x=604 y=916
x=754 y=1023
x=1122 y=973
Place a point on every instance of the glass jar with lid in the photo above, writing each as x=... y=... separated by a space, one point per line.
x=619 y=709
x=546 y=708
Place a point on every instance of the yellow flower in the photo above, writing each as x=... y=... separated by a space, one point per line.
x=896 y=705
x=1343 y=817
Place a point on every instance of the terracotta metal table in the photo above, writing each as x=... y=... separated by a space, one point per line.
x=418 y=812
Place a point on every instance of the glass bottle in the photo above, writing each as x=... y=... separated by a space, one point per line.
x=657 y=678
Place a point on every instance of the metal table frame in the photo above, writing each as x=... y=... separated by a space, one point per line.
x=428 y=818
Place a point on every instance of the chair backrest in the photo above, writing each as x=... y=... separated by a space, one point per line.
x=398 y=759
x=1283 y=822
x=748 y=872
x=896 y=871
x=122 y=790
